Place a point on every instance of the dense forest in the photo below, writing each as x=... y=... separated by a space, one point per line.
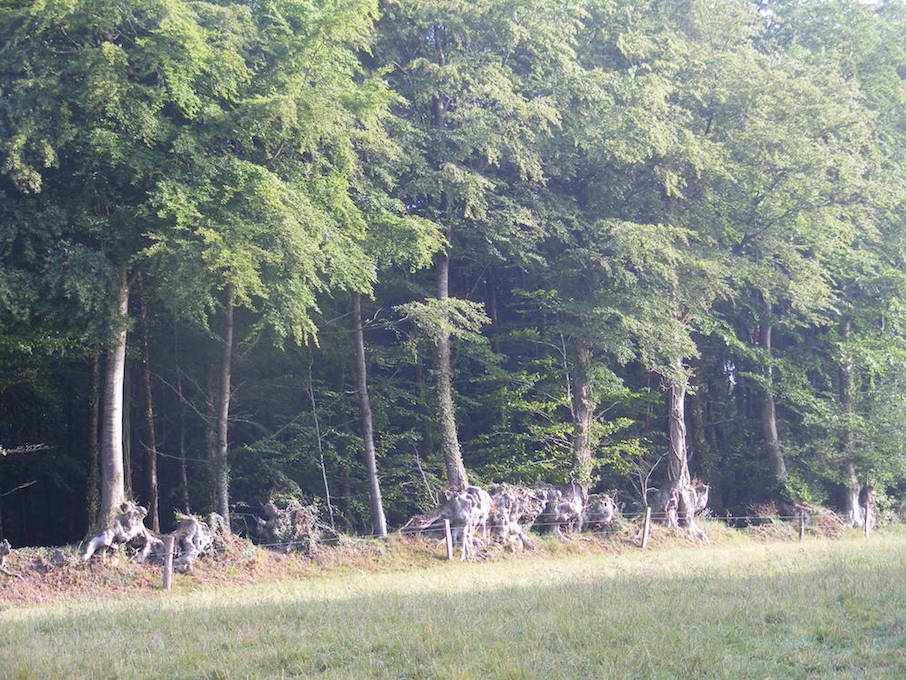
x=358 y=251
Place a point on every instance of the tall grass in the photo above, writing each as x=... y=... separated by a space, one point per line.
x=818 y=609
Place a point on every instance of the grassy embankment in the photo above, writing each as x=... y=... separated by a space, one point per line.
x=740 y=609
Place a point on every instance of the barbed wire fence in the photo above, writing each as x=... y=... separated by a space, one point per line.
x=645 y=519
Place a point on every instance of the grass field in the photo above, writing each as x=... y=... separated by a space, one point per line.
x=817 y=609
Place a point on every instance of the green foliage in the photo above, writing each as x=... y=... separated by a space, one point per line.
x=629 y=195
x=459 y=318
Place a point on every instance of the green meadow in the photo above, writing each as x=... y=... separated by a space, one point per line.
x=740 y=609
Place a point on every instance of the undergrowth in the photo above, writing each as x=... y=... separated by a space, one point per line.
x=239 y=562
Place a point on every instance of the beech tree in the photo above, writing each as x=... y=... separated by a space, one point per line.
x=91 y=98
x=859 y=46
x=266 y=213
x=654 y=231
x=168 y=114
x=473 y=79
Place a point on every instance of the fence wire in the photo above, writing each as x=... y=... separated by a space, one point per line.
x=526 y=526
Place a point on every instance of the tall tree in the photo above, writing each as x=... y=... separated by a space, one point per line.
x=393 y=241
x=150 y=428
x=851 y=60
x=95 y=100
x=264 y=207
x=378 y=520
x=473 y=77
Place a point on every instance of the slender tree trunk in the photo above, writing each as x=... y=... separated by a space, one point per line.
x=113 y=492
x=679 y=500
x=456 y=471
x=151 y=450
x=221 y=462
x=378 y=521
x=852 y=508
x=183 y=470
x=94 y=443
x=583 y=411
x=868 y=501
x=128 y=390
x=323 y=463
x=768 y=413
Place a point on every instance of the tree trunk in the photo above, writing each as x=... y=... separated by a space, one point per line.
x=94 y=444
x=113 y=492
x=456 y=471
x=151 y=447
x=378 y=521
x=768 y=413
x=868 y=501
x=583 y=412
x=323 y=463
x=128 y=390
x=852 y=508
x=221 y=462
x=183 y=470
x=679 y=499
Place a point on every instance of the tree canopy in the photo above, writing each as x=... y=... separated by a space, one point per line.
x=386 y=247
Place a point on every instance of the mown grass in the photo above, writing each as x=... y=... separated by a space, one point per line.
x=818 y=609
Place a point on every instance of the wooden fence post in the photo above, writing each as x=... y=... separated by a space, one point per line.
x=867 y=524
x=449 y=539
x=801 y=525
x=168 y=561
x=646 y=530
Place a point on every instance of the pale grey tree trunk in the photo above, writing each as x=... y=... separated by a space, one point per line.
x=318 y=438
x=113 y=492
x=678 y=500
x=183 y=469
x=852 y=508
x=378 y=521
x=456 y=471
x=768 y=413
x=221 y=461
x=583 y=412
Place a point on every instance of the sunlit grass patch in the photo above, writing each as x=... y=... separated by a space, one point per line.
x=736 y=610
